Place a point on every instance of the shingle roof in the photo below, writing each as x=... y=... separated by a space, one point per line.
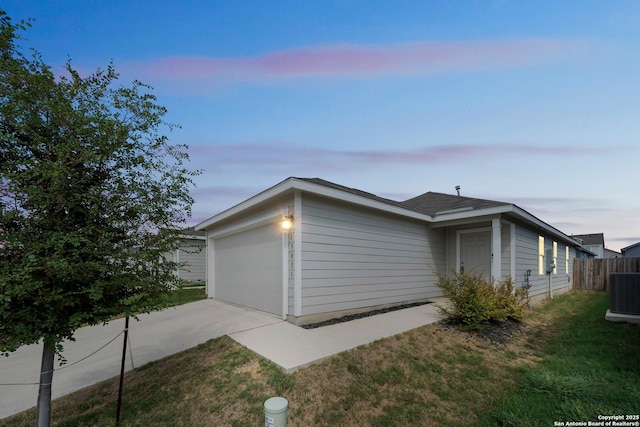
x=427 y=206
x=433 y=203
x=626 y=248
x=350 y=190
x=590 y=239
x=429 y=203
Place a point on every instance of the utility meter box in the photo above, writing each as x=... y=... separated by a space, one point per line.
x=548 y=261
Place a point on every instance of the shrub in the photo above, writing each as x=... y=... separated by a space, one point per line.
x=473 y=301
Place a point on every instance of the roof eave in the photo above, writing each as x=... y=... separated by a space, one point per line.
x=473 y=213
x=293 y=184
x=506 y=209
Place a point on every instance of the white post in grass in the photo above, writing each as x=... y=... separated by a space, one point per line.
x=275 y=412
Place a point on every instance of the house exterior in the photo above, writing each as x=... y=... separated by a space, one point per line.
x=631 y=251
x=609 y=253
x=593 y=242
x=347 y=251
x=192 y=255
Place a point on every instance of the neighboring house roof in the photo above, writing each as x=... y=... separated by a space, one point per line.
x=623 y=250
x=191 y=233
x=430 y=207
x=608 y=253
x=590 y=239
x=586 y=251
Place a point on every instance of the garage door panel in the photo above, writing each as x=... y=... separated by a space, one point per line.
x=248 y=269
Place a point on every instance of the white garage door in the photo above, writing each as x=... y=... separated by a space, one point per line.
x=248 y=269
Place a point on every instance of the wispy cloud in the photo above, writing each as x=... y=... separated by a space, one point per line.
x=269 y=155
x=227 y=191
x=348 y=60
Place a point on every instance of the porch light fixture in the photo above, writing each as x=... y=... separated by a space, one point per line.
x=287 y=222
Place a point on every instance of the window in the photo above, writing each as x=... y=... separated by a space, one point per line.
x=566 y=259
x=540 y=255
x=555 y=257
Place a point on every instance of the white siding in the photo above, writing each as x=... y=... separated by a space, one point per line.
x=193 y=254
x=352 y=258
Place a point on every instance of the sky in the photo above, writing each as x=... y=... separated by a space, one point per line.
x=535 y=103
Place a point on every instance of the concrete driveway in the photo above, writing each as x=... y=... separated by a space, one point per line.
x=167 y=332
x=155 y=336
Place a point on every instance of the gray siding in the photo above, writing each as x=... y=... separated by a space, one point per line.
x=527 y=259
x=632 y=252
x=505 y=255
x=353 y=258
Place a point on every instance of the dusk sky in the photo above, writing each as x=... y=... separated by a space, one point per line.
x=536 y=103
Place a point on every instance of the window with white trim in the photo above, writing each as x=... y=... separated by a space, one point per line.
x=555 y=257
x=540 y=255
x=566 y=259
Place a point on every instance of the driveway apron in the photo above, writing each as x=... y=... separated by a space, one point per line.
x=155 y=336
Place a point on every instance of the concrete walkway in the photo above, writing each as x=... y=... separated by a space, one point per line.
x=292 y=347
x=170 y=331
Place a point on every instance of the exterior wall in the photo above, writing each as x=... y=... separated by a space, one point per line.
x=353 y=258
x=193 y=253
x=505 y=255
x=527 y=259
x=505 y=243
x=632 y=252
x=596 y=249
x=247 y=228
x=452 y=242
x=341 y=258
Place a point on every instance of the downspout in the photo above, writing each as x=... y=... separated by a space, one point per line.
x=178 y=262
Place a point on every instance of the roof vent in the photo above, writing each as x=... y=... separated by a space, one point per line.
x=458 y=189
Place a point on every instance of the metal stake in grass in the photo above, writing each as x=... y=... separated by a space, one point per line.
x=124 y=356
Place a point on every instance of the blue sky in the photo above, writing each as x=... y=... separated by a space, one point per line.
x=530 y=102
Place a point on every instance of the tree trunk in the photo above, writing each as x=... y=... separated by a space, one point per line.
x=43 y=417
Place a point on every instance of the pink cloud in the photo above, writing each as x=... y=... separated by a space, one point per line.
x=283 y=155
x=344 y=60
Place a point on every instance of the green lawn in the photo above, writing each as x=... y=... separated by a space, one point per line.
x=186 y=295
x=566 y=364
x=589 y=367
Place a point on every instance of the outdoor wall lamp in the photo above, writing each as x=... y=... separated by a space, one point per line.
x=287 y=222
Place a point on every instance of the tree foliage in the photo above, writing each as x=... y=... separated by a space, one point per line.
x=91 y=196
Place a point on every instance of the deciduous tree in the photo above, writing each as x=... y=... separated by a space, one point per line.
x=87 y=179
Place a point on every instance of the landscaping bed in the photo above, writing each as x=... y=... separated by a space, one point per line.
x=362 y=315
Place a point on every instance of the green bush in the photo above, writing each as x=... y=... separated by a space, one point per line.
x=473 y=301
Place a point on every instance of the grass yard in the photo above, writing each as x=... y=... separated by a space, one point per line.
x=589 y=367
x=186 y=295
x=566 y=364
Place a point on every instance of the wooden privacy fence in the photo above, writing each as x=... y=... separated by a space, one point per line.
x=593 y=273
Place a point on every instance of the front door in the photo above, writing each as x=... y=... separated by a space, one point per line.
x=475 y=253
